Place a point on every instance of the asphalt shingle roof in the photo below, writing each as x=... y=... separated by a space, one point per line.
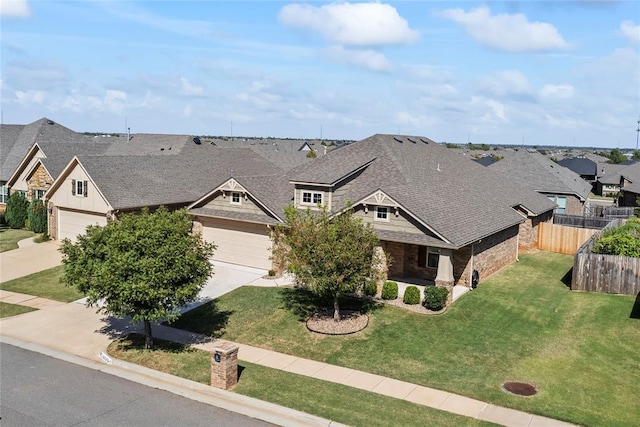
x=458 y=198
x=541 y=174
x=580 y=165
x=16 y=140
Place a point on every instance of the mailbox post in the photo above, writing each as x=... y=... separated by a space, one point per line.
x=224 y=366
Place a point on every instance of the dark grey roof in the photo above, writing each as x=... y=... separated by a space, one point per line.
x=541 y=174
x=456 y=197
x=16 y=140
x=284 y=153
x=153 y=144
x=58 y=156
x=631 y=173
x=609 y=173
x=486 y=160
x=151 y=180
x=632 y=188
x=216 y=213
x=580 y=165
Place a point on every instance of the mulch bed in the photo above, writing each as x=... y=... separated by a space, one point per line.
x=350 y=322
x=416 y=308
x=520 y=388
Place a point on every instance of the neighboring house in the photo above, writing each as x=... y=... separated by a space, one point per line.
x=586 y=168
x=16 y=141
x=608 y=182
x=438 y=215
x=630 y=185
x=92 y=188
x=562 y=186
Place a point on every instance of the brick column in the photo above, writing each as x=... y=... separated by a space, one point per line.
x=444 y=277
x=224 y=366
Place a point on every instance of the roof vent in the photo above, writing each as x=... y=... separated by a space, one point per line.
x=50 y=122
x=398 y=139
x=424 y=140
x=411 y=140
x=196 y=140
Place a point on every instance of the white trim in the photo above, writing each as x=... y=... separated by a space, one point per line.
x=62 y=178
x=24 y=163
x=387 y=214
x=312 y=194
x=233 y=194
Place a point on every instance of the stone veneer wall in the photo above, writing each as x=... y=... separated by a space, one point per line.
x=39 y=180
x=462 y=266
x=495 y=252
x=405 y=261
x=396 y=251
x=52 y=220
x=574 y=206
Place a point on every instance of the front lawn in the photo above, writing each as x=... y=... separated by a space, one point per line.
x=45 y=284
x=8 y=310
x=10 y=237
x=328 y=400
x=579 y=349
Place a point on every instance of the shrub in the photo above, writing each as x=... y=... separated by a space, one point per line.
x=623 y=240
x=17 y=210
x=272 y=273
x=42 y=238
x=2 y=218
x=435 y=297
x=411 y=295
x=38 y=217
x=370 y=288
x=390 y=290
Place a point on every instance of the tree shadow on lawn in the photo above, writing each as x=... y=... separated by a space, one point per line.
x=135 y=341
x=206 y=319
x=303 y=303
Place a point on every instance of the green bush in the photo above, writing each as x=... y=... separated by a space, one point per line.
x=623 y=240
x=38 y=217
x=272 y=273
x=370 y=288
x=435 y=297
x=2 y=222
x=390 y=290
x=17 y=210
x=411 y=295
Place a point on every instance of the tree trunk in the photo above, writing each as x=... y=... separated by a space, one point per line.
x=336 y=309
x=148 y=338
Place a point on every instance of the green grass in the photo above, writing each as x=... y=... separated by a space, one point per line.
x=579 y=349
x=324 y=399
x=45 y=284
x=9 y=237
x=8 y=310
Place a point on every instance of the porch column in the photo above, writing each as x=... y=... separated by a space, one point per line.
x=444 y=277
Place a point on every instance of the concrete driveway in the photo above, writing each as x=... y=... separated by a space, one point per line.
x=29 y=259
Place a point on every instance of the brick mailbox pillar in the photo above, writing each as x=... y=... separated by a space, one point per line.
x=224 y=366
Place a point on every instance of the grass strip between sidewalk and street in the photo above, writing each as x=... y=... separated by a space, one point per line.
x=8 y=310
x=44 y=284
x=336 y=402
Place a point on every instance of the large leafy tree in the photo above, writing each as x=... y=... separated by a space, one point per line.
x=144 y=265
x=332 y=256
x=616 y=156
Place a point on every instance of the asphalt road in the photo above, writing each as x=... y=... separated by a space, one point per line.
x=38 y=390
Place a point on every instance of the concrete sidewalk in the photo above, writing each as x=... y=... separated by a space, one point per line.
x=27 y=300
x=29 y=259
x=75 y=329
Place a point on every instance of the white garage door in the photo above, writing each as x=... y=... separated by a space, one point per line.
x=238 y=242
x=72 y=223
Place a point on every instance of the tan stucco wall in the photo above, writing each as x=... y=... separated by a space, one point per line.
x=402 y=222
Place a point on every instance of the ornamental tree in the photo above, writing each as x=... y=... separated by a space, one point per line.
x=144 y=265
x=332 y=256
x=17 y=210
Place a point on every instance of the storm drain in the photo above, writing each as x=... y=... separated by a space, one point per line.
x=519 y=388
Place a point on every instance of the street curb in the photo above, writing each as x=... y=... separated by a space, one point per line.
x=240 y=404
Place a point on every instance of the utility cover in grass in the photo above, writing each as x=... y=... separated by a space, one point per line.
x=519 y=388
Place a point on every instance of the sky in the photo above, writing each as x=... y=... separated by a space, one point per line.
x=517 y=72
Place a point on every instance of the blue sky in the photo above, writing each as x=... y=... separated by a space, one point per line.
x=542 y=73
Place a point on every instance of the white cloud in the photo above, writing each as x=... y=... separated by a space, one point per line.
x=506 y=83
x=369 y=59
x=562 y=91
x=113 y=101
x=189 y=89
x=631 y=31
x=14 y=9
x=498 y=109
x=27 y=97
x=511 y=33
x=351 y=24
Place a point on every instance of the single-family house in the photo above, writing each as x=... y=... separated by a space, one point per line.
x=608 y=182
x=533 y=170
x=586 y=168
x=17 y=140
x=630 y=185
x=438 y=215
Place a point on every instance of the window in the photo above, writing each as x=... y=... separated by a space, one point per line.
x=79 y=188
x=561 y=201
x=382 y=213
x=40 y=194
x=236 y=198
x=311 y=198
x=428 y=257
x=4 y=193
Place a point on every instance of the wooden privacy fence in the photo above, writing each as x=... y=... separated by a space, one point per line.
x=605 y=273
x=562 y=239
